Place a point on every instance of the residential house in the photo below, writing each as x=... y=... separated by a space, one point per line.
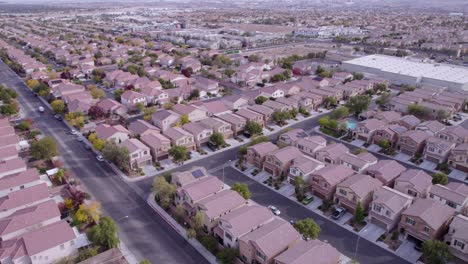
x=194 y=114
x=365 y=129
x=235 y=101
x=188 y=195
x=358 y=162
x=140 y=128
x=278 y=162
x=390 y=133
x=266 y=112
x=459 y=157
x=17 y=181
x=309 y=145
x=213 y=108
x=430 y=127
x=456 y=134
x=290 y=138
x=158 y=144
x=454 y=194
x=131 y=99
x=257 y=246
x=8 y=153
x=12 y=166
x=412 y=142
x=291 y=102
x=200 y=133
x=250 y=116
x=331 y=153
x=117 y=133
x=323 y=182
x=164 y=119
x=237 y=123
x=10 y=141
x=409 y=121
x=32 y=247
x=437 y=150
x=306 y=251
x=139 y=153
x=23 y=198
x=217 y=125
x=303 y=166
x=308 y=100
x=457 y=237
x=358 y=188
x=240 y=222
x=414 y=182
x=256 y=154
x=215 y=206
x=183 y=178
x=386 y=171
x=425 y=219
x=207 y=86
x=388 y=116
x=386 y=207
x=180 y=137
x=111 y=106
x=277 y=106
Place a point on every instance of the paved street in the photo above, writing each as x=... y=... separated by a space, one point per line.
x=144 y=232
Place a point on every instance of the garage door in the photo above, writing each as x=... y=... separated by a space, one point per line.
x=268 y=170
x=379 y=223
x=432 y=159
x=406 y=151
x=363 y=138
x=462 y=168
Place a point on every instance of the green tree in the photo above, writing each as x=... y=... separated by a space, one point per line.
x=442 y=115
x=253 y=128
x=419 y=111
x=227 y=256
x=217 y=138
x=8 y=110
x=164 y=191
x=439 y=178
x=178 y=153
x=300 y=188
x=339 y=113
x=329 y=101
x=87 y=253
x=358 y=104
x=194 y=94
x=209 y=243
x=197 y=220
x=45 y=148
x=104 y=234
x=116 y=154
x=359 y=213
x=384 y=99
x=383 y=143
x=184 y=119
x=260 y=99
x=436 y=252
x=145 y=261
x=358 y=76
x=380 y=87
x=258 y=140
x=242 y=189
x=58 y=106
x=308 y=228
x=280 y=117
x=117 y=94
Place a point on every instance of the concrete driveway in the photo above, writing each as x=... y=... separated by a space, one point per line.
x=407 y=251
x=428 y=165
x=374 y=148
x=371 y=232
x=402 y=157
x=459 y=175
x=358 y=143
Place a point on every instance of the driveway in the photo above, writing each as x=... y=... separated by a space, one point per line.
x=459 y=175
x=372 y=232
x=374 y=148
x=358 y=143
x=428 y=165
x=402 y=157
x=287 y=190
x=406 y=250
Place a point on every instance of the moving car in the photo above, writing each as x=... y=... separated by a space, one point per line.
x=274 y=210
x=100 y=158
x=58 y=117
x=338 y=213
x=73 y=132
x=41 y=109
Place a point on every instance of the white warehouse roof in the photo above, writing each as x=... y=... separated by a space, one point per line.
x=442 y=72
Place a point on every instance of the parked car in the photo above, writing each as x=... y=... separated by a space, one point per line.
x=58 y=117
x=41 y=109
x=247 y=134
x=80 y=139
x=73 y=132
x=338 y=213
x=100 y=158
x=212 y=146
x=274 y=210
x=87 y=147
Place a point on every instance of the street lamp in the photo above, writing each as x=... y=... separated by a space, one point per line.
x=124 y=217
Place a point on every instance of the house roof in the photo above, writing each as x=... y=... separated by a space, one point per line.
x=460 y=225
x=273 y=237
x=360 y=160
x=202 y=188
x=188 y=176
x=410 y=120
x=244 y=219
x=219 y=203
x=133 y=145
x=106 y=131
x=361 y=184
x=24 y=197
x=163 y=114
x=261 y=109
x=195 y=128
x=233 y=119
x=286 y=154
x=454 y=192
x=306 y=251
x=155 y=139
x=387 y=169
x=433 y=126
x=264 y=148
x=306 y=164
x=18 y=179
x=335 y=173
x=176 y=133
x=419 y=179
x=392 y=199
x=139 y=127
x=335 y=150
x=12 y=164
x=294 y=134
x=433 y=213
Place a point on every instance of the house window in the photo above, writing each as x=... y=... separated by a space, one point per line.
x=343 y=192
x=62 y=247
x=260 y=255
x=387 y=213
x=431 y=195
x=410 y=221
x=451 y=204
x=426 y=229
x=377 y=208
x=459 y=244
x=412 y=193
x=228 y=236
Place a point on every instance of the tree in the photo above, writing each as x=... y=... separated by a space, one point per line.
x=104 y=234
x=210 y=243
x=384 y=99
x=45 y=148
x=197 y=220
x=280 y=117
x=308 y=228
x=439 y=178
x=227 y=256
x=191 y=233
x=58 y=106
x=229 y=72
x=359 y=103
x=419 y=111
x=359 y=213
x=260 y=100
x=140 y=106
x=88 y=213
x=168 y=105
x=33 y=84
x=178 y=153
x=8 y=110
x=329 y=101
x=145 y=261
x=117 y=94
x=97 y=93
x=300 y=188
x=358 y=76
x=380 y=87
x=242 y=189
x=217 y=138
x=442 y=115
x=87 y=253
x=184 y=119
x=253 y=128
x=258 y=140
x=96 y=112
x=339 y=113
x=254 y=58
x=164 y=191
x=383 y=143
x=116 y=154
x=436 y=252
x=194 y=94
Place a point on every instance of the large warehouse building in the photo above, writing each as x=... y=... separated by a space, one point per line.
x=404 y=71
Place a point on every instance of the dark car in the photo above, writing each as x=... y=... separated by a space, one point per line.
x=58 y=117
x=212 y=146
x=247 y=134
x=338 y=213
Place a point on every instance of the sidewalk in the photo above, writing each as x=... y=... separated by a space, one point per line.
x=195 y=244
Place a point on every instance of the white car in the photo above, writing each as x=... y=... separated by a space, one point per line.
x=41 y=109
x=274 y=210
x=73 y=132
x=100 y=158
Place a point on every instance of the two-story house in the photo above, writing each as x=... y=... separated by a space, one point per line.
x=158 y=144
x=437 y=150
x=131 y=99
x=289 y=138
x=414 y=182
x=256 y=154
x=17 y=181
x=456 y=134
x=266 y=112
x=390 y=133
x=431 y=127
x=459 y=157
x=200 y=133
x=250 y=116
x=141 y=127
x=386 y=207
x=355 y=189
x=117 y=133
x=310 y=145
x=365 y=129
x=409 y=121
x=180 y=137
x=217 y=125
x=278 y=161
x=194 y=114
x=195 y=191
x=164 y=119
x=303 y=166
x=139 y=153
x=386 y=171
x=412 y=142
x=323 y=182
x=303 y=251
x=454 y=194
x=425 y=219
x=457 y=237
x=358 y=162
x=237 y=123
x=331 y=153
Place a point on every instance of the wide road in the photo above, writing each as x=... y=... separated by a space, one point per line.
x=144 y=232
